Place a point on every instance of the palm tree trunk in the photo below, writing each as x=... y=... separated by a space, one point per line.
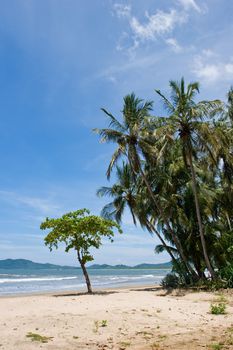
x=188 y=268
x=174 y=260
x=203 y=242
x=87 y=279
x=228 y=221
x=152 y=228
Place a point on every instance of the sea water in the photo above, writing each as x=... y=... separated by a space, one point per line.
x=19 y=281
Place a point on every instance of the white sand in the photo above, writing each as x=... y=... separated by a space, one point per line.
x=136 y=319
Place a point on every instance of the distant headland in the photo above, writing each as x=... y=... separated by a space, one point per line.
x=28 y=264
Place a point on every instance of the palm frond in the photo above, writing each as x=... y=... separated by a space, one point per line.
x=115 y=157
x=114 y=122
x=104 y=191
x=109 y=135
x=160 y=248
x=167 y=104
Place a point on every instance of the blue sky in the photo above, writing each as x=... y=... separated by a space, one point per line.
x=60 y=62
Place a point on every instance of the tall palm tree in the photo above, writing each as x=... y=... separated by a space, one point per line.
x=129 y=136
x=188 y=122
x=125 y=193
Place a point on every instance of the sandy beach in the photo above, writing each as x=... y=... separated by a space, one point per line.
x=138 y=319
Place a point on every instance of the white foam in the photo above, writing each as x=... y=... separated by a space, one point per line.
x=37 y=279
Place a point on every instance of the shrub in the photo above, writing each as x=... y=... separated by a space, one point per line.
x=226 y=274
x=218 y=309
x=213 y=285
x=171 y=280
x=216 y=346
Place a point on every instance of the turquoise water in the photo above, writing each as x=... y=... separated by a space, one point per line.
x=33 y=281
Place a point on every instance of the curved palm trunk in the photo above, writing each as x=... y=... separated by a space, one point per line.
x=87 y=279
x=174 y=260
x=152 y=228
x=188 y=267
x=203 y=242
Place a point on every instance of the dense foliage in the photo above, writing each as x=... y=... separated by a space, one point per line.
x=80 y=231
x=175 y=174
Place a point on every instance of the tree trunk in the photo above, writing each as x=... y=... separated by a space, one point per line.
x=187 y=266
x=228 y=221
x=87 y=279
x=203 y=242
x=177 y=263
x=152 y=228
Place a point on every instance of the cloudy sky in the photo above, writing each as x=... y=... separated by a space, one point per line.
x=60 y=62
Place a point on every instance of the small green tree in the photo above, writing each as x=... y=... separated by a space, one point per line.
x=80 y=231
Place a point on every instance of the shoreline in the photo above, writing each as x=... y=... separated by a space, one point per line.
x=60 y=282
x=81 y=291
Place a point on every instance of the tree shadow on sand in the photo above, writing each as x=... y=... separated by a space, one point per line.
x=147 y=289
x=161 y=291
x=84 y=293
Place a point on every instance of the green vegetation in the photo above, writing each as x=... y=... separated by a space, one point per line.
x=80 y=231
x=216 y=346
x=218 y=309
x=175 y=174
x=171 y=280
x=104 y=323
x=98 y=324
x=38 y=337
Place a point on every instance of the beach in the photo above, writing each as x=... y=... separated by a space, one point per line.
x=137 y=318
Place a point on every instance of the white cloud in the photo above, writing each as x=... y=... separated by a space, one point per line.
x=174 y=45
x=122 y=10
x=190 y=4
x=209 y=68
x=158 y=24
x=207 y=72
x=42 y=205
x=208 y=53
x=229 y=68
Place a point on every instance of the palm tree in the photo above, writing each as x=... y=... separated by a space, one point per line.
x=129 y=135
x=171 y=180
x=188 y=123
x=125 y=192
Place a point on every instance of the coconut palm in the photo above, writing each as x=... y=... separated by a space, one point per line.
x=132 y=144
x=189 y=123
x=126 y=192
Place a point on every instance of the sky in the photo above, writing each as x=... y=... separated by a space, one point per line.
x=60 y=62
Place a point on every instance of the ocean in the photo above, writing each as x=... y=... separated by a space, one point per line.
x=28 y=281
